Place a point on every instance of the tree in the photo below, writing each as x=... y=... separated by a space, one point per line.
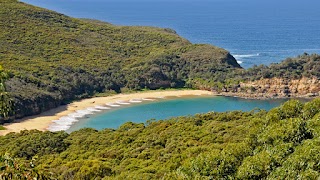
x=10 y=168
x=5 y=100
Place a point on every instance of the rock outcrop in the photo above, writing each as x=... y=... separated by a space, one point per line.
x=276 y=88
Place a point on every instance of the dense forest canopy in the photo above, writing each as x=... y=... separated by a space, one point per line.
x=53 y=59
x=5 y=100
x=283 y=143
x=304 y=65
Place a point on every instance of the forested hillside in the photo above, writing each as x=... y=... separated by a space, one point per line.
x=53 y=59
x=293 y=77
x=283 y=143
x=304 y=65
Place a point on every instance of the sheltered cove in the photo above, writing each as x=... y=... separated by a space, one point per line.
x=44 y=120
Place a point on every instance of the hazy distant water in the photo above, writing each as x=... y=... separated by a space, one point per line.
x=167 y=108
x=255 y=32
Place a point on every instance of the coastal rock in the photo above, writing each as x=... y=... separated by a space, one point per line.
x=276 y=87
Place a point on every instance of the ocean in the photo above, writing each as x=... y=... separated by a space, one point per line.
x=255 y=32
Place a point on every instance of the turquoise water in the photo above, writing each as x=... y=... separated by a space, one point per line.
x=255 y=32
x=166 y=108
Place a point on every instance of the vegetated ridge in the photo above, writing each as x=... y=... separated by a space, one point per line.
x=53 y=59
x=293 y=77
x=283 y=143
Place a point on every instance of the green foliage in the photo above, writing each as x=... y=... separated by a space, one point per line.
x=86 y=169
x=5 y=100
x=303 y=163
x=65 y=59
x=291 y=109
x=292 y=68
x=302 y=66
x=310 y=109
x=2 y=128
x=288 y=130
x=12 y=169
x=30 y=143
x=216 y=164
x=255 y=167
x=54 y=59
x=229 y=145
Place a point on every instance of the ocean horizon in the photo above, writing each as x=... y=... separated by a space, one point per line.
x=255 y=32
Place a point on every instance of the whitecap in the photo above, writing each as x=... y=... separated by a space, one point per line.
x=101 y=107
x=239 y=56
x=62 y=123
x=146 y=99
x=84 y=112
x=239 y=62
x=65 y=122
x=135 y=101
x=93 y=109
x=122 y=102
x=76 y=115
x=112 y=105
x=55 y=127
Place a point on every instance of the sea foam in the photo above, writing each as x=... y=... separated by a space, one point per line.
x=135 y=101
x=101 y=107
x=54 y=128
x=65 y=122
x=240 y=56
x=93 y=109
x=122 y=102
x=147 y=99
x=84 y=112
x=62 y=124
x=112 y=105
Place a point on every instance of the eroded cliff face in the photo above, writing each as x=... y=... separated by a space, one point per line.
x=276 y=87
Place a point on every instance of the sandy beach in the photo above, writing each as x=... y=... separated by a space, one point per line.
x=43 y=120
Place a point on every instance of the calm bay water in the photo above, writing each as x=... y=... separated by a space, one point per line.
x=166 y=108
x=255 y=32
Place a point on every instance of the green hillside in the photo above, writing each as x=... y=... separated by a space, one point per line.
x=304 y=65
x=283 y=143
x=53 y=59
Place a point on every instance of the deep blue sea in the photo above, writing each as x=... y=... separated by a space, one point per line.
x=254 y=31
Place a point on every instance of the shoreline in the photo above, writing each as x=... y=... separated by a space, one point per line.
x=44 y=120
x=264 y=96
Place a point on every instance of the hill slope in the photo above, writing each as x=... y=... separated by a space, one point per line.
x=293 y=77
x=54 y=59
x=283 y=143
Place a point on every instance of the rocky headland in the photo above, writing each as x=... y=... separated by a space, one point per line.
x=275 y=88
